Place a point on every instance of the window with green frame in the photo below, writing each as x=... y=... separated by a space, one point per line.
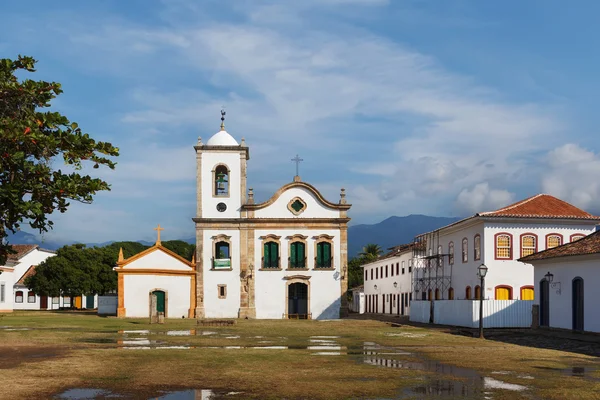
x=297 y=255
x=324 y=259
x=271 y=255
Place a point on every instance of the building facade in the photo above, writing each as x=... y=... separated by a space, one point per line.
x=282 y=258
x=448 y=258
x=565 y=280
x=387 y=282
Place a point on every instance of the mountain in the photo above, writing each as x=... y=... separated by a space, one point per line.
x=393 y=231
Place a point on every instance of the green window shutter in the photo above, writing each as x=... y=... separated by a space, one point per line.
x=274 y=254
x=319 y=255
x=293 y=255
x=327 y=255
x=300 y=255
x=266 y=256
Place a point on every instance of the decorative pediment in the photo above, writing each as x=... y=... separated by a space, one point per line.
x=221 y=237
x=296 y=237
x=270 y=236
x=303 y=277
x=323 y=237
x=303 y=185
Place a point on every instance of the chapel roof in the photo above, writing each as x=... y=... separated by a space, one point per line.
x=587 y=245
x=541 y=206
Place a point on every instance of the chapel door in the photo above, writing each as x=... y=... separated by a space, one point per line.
x=44 y=302
x=298 y=300
x=577 y=304
x=160 y=300
x=544 y=303
x=89 y=302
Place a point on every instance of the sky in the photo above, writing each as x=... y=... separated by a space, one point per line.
x=442 y=108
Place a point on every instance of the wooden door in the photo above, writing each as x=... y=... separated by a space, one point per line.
x=401 y=303
x=383 y=301
x=89 y=302
x=577 y=304
x=78 y=302
x=502 y=293
x=544 y=303
x=160 y=300
x=44 y=302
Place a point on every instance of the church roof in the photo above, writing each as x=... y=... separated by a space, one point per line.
x=297 y=184
x=222 y=138
x=587 y=245
x=541 y=206
x=156 y=247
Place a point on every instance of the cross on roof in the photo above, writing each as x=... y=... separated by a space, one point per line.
x=297 y=160
x=158 y=229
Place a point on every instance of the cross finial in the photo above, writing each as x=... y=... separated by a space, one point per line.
x=297 y=160
x=223 y=113
x=158 y=229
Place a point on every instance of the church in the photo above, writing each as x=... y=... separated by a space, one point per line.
x=283 y=258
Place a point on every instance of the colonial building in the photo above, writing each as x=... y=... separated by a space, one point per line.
x=562 y=276
x=13 y=292
x=387 y=282
x=447 y=258
x=157 y=273
x=283 y=258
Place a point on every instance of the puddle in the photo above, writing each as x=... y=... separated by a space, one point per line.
x=191 y=394
x=407 y=335
x=491 y=383
x=83 y=394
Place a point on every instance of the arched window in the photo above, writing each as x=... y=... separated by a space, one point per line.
x=297 y=251
x=31 y=297
x=468 y=293
x=527 y=293
x=465 y=250
x=451 y=253
x=366 y=275
x=477 y=247
x=221 y=252
x=324 y=258
x=477 y=292
x=19 y=296
x=451 y=294
x=576 y=237
x=504 y=292
x=270 y=249
x=503 y=246
x=528 y=244
x=553 y=240
x=221 y=180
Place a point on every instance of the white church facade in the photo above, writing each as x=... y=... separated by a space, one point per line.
x=283 y=258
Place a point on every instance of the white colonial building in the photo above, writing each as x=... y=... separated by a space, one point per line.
x=562 y=277
x=14 y=295
x=448 y=257
x=284 y=258
x=387 y=282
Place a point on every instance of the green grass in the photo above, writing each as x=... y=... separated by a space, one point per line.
x=86 y=355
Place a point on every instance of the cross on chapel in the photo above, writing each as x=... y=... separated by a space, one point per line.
x=158 y=229
x=297 y=160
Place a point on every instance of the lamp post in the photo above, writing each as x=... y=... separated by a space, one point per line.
x=481 y=272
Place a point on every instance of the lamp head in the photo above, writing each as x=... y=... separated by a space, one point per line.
x=375 y=287
x=549 y=277
x=482 y=271
x=395 y=284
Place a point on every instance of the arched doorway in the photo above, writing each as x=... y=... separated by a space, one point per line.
x=298 y=300
x=544 y=303
x=577 y=304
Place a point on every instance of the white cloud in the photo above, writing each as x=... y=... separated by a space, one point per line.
x=481 y=198
x=572 y=175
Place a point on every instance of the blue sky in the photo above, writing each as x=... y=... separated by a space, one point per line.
x=436 y=107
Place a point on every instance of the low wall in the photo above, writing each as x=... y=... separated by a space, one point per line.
x=496 y=313
x=107 y=305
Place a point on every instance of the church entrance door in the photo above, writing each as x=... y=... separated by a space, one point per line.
x=160 y=300
x=298 y=300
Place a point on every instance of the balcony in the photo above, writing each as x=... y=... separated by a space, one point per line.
x=221 y=263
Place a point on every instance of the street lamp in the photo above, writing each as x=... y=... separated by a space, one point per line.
x=481 y=273
x=549 y=277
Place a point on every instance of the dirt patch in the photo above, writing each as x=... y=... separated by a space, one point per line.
x=11 y=357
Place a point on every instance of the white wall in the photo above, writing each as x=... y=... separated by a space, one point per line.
x=138 y=288
x=210 y=159
x=385 y=285
x=314 y=208
x=324 y=287
x=7 y=279
x=158 y=260
x=229 y=306
x=564 y=271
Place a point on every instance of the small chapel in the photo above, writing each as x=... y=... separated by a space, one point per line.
x=282 y=258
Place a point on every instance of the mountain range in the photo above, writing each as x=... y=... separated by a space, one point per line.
x=390 y=232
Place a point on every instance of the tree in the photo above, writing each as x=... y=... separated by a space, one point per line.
x=371 y=251
x=31 y=139
x=180 y=247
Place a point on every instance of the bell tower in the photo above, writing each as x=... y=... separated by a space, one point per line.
x=220 y=175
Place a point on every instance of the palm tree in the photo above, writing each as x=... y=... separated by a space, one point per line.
x=371 y=251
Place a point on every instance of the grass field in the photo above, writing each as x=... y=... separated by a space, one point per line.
x=43 y=354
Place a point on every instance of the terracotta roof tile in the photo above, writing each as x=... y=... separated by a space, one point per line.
x=541 y=206
x=587 y=245
x=21 y=251
x=30 y=271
